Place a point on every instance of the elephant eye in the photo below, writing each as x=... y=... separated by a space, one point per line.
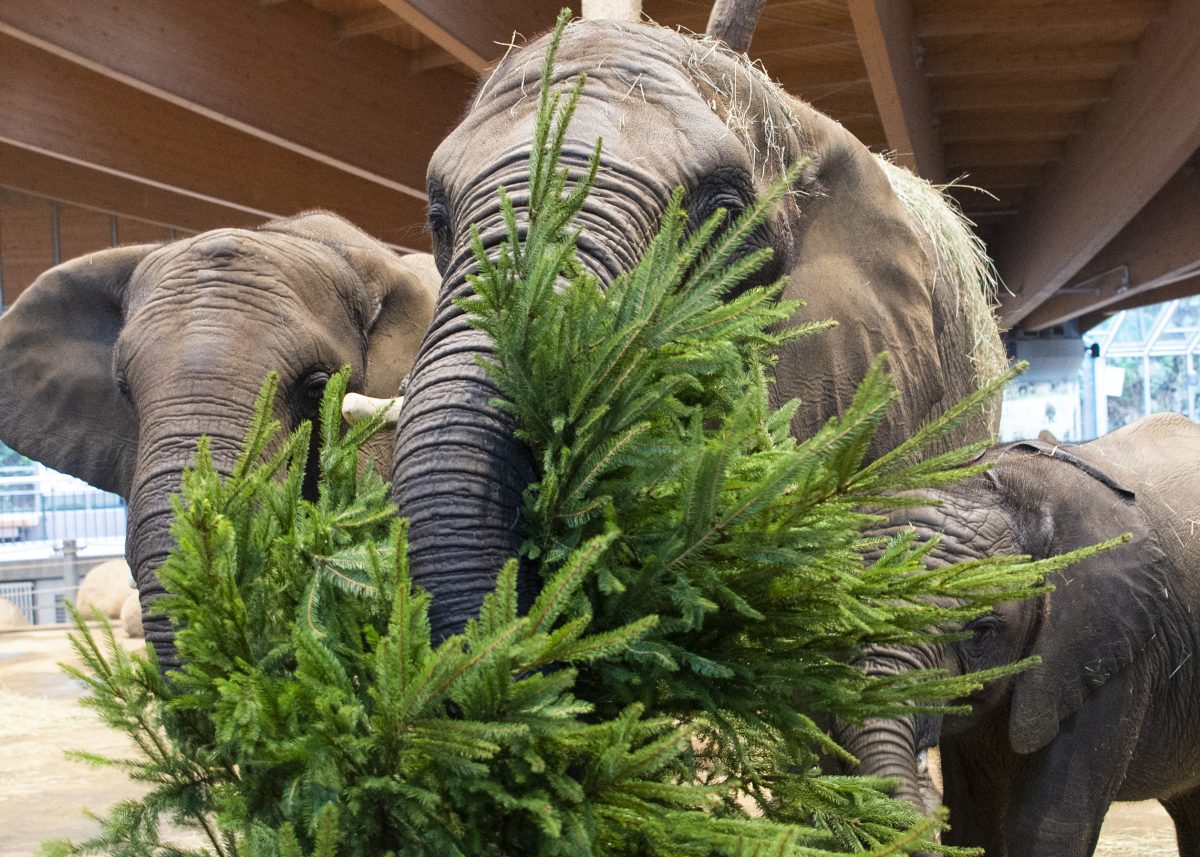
x=983 y=628
x=439 y=226
x=734 y=206
x=123 y=385
x=310 y=391
x=731 y=189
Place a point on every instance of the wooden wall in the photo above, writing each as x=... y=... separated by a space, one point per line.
x=38 y=233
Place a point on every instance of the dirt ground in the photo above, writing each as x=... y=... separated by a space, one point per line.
x=43 y=794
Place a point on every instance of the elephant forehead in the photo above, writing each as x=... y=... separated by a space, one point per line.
x=640 y=97
x=223 y=243
x=237 y=263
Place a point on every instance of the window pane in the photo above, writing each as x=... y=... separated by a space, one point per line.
x=1128 y=406
x=1168 y=384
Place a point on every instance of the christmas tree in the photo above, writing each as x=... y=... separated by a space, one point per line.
x=705 y=589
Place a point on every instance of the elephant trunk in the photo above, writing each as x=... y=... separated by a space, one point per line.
x=887 y=748
x=459 y=473
x=148 y=537
x=149 y=542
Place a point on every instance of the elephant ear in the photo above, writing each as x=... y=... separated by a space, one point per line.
x=859 y=247
x=1103 y=611
x=59 y=402
x=402 y=290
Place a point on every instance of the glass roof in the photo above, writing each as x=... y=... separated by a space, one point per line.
x=1172 y=327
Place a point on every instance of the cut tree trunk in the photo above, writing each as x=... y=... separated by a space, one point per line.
x=734 y=21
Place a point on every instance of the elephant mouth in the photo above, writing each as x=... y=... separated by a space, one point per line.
x=930 y=786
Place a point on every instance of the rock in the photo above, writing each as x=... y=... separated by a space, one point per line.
x=131 y=615
x=11 y=616
x=105 y=588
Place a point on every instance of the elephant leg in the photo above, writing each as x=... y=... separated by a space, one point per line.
x=976 y=792
x=1067 y=786
x=1184 y=810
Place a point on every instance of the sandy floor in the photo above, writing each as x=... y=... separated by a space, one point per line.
x=43 y=795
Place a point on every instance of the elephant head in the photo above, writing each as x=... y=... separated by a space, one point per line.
x=673 y=110
x=1043 y=752
x=117 y=362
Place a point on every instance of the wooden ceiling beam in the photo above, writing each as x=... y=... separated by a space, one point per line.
x=278 y=73
x=1135 y=142
x=887 y=39
x=59 y=108
x=475 y=32
x=431 y=57
x=366 y=23
x=1185 y=287
x=66 y=181
x=1160 y=242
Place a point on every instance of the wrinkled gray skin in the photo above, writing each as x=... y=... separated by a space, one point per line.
x=1111 y=712
x=116 y=363
x=850 y=248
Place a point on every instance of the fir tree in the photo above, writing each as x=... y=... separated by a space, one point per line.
x=704 y=590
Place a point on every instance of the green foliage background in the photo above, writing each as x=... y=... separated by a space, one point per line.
x=705 y=589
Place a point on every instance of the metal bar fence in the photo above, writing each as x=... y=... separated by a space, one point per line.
x=50 y=537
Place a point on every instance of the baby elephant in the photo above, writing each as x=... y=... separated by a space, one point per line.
x=116 y=363
x=1113 y=711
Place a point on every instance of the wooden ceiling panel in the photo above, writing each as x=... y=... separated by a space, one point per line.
x=851 y=101
x=998 y=153
x=812 y=13
x=1010 y=87
x=44 y=175
x=869 y=130
x=344 y=8
x=475 y=34
x=798 y=77
x=786 y=39
x=1094 y=62
x=82 y=231
x=1135 y=141
x=1068 y=19
x=277 y=73
x=996 y=179
x=26 y=241
x=1023 y=92
x=1152 y=249
x=61 y=109
x=956 y=126
x=971 y=197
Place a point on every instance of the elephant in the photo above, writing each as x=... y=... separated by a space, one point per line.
x=116 y=363
x=1109 y=714
x=862 y=241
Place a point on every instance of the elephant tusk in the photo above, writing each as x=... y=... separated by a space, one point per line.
x=357 y=407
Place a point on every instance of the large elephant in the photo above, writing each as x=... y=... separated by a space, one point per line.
x=117 y=362
x=863 y=242
x=1110 y=714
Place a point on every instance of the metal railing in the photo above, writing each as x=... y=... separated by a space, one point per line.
x=36 y=520
x=21 y=594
